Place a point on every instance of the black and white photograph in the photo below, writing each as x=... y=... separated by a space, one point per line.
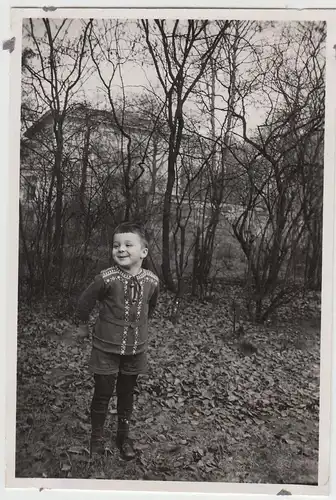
x=170 y=249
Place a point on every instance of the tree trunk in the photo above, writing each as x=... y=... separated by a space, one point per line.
x=58 y=238
x=154 y=168
x=196 y=262
x=166 y=268
x=258 y=309
x=83 y=185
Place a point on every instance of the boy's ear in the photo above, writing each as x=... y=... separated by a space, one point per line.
x=144 y=253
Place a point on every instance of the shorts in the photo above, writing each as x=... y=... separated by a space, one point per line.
x=109 y=363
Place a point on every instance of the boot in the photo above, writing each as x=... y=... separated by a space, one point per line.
x=124 y=443
x=97 y=444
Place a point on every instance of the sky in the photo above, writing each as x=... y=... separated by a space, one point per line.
x=137 y=75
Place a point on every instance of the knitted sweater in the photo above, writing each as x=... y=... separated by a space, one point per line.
x=126 y=303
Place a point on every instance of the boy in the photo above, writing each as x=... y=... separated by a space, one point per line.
x=127 y=294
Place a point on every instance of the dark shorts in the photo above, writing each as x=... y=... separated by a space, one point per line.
x=108 y=363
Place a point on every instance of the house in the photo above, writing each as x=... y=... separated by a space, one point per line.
x=95 y=160
x=95 y=146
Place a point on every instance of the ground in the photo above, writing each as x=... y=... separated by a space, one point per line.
x=213 y=407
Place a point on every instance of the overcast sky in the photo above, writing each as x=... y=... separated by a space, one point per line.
x=137 y=77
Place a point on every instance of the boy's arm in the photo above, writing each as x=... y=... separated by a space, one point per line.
x=88 y=299
x=153 y=301
x=85 y=305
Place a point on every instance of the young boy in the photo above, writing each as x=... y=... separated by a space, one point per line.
x=127 y=294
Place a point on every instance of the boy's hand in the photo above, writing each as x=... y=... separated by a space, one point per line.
x=83 y=331
x=73 y=334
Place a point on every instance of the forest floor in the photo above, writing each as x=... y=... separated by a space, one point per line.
x=210 y=409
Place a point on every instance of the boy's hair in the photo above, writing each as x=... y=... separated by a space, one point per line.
x=132 y=227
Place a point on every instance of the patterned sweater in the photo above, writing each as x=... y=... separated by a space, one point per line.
x=126 y=303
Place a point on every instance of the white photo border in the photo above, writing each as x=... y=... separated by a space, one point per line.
x=10 y=138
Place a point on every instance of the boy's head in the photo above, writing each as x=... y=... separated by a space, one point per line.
x=130 y=245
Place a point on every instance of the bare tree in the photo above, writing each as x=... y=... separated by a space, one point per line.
x=112 y=45
x=279 y=155
x=54 y=73
x=180 y=57
x=218 y=96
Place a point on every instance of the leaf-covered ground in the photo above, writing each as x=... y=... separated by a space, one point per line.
x=213 y=407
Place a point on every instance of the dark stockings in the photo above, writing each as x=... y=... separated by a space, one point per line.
x=103 y=391
x=125 y=395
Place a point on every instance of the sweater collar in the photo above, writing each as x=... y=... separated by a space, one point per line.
x=128 y=275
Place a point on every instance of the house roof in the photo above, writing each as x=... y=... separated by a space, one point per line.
x=82 y=111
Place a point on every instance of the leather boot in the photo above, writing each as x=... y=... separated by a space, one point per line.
x=97 y=444
x=124 y=443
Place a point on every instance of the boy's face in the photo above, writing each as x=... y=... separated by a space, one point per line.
x=128 y=250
